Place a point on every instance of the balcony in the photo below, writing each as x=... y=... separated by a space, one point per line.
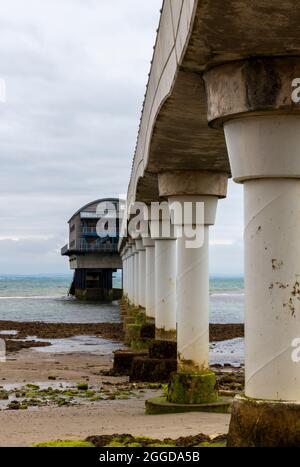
x=98 y=247
x=95 y=247
x=65 y=250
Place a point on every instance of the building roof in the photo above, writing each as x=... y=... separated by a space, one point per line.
x=97 y=201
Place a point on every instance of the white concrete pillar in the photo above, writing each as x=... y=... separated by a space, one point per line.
x=129 y=274
x=149 y=245
x=265 y=156
x=192 y=289
x=187 y=191
x=133 y=274
x=142 y=273
x=136 y=275
x=124 y=272
x=165 y=289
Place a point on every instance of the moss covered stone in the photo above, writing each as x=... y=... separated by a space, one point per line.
x=64 y=444
x=140 y=318
x=4 y=395
x=128 y=320
x=126 y=441
x=140 y=344
x=195 y=388
x=132 y=332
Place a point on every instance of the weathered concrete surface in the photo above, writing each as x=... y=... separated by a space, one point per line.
x=192 y=183
x=258 y=423
x=96 y=261
x=254 y=86
x=194 y=36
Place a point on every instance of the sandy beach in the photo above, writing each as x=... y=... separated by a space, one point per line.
x=25 y=427
x=111 y=405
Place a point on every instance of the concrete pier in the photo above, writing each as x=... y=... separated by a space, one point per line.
x=221 y=102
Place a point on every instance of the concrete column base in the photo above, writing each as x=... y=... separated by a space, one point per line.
x=262 y=423
x=190 y=393
x=151 y=370
x=160 y=405
x=95 y=295
x=194 y=388
x=158 y=365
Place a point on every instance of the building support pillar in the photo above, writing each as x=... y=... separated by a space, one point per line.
x=129 y=279
x=193 y=199
x=124 y=272
x=136 y=275
x=149 y=245
x=133 y=273
x=263 y=140
x=142 y=274
x=165 y=289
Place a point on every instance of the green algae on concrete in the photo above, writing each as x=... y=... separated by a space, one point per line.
x=133 y=332
x=140 y=318
x=195 y=388
x=160 y=405
x=140 y=344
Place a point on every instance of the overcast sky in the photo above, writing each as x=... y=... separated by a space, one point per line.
x=76 y=72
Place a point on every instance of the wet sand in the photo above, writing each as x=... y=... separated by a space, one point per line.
x=113 y=415
x=112 y=331
x=24 y=427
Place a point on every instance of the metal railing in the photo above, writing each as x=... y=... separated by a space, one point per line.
x=85 y=247
x=99 y=248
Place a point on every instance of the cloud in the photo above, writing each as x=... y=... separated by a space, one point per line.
x=76 y=73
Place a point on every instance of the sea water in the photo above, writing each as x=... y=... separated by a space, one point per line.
x=45 y=298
